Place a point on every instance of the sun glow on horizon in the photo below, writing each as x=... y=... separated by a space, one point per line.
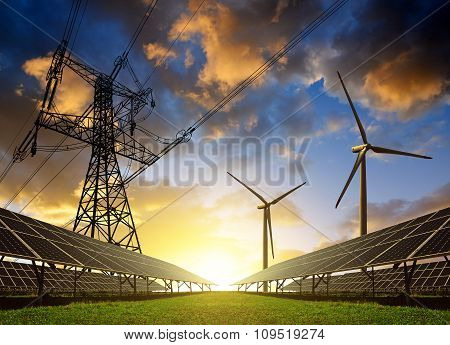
x=220 y=268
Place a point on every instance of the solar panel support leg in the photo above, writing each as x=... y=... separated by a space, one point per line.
x=371 y=277
x=74 y=282
x=373 y=282
x=190 y=286
x=328 y=284
x=40 y=281
x=321 y=279
x=408 y=276
x=75 y=279
x=314 y=284
x=299 y=283
x=134 y=285
x=149 y=283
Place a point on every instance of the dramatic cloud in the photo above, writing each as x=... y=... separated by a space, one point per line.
x=404 y=86
x=228 y=58
x=409 y=77
x=235 y=40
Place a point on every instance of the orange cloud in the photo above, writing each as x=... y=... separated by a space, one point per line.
x=402 y=84
x=156 y=51
x=230 y=55
x=189 y=59
x=73 y=94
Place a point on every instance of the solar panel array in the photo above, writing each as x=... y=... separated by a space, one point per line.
x=28 y=238
x=20 y=277
x=427 y=277
x=423 y=237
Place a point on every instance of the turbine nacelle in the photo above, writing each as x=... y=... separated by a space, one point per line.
x=358 y=148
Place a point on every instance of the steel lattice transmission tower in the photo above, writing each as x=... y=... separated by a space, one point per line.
x=104 y=211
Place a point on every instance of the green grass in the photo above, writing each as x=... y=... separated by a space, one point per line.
x=224 y=308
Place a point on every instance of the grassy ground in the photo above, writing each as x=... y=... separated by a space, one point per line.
x=224 y=308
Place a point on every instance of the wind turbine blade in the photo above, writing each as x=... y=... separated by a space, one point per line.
x=355 y=167
x=269 y=222
x=358 y=121
x=251 y=190
x=378 y=149
x=286 y=194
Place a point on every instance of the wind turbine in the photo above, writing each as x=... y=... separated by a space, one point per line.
x=361 y=150
x=267 y=222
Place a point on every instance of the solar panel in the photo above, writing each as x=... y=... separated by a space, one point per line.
x=431 y=277
x=400 y=250
x=429 y=226
x=18 y=226
x=20 y=277
x=401 y=242
x=11 y=245
x=24 y=237
x=439 y=243
x=47 y=250
x=442 y=213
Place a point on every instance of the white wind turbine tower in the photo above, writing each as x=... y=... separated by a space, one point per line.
x=267 y=221
x=361 y=150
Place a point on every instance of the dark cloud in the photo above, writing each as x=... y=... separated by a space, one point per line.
x=408 y=78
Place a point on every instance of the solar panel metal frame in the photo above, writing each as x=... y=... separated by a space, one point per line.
x=20 y=277
x=385 y=280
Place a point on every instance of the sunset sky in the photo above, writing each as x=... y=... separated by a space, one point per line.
x=395 y=56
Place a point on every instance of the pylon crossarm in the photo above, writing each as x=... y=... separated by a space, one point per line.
x=90 y=75
x=129 y=147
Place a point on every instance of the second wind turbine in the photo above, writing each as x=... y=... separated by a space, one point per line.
x=267 y=224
